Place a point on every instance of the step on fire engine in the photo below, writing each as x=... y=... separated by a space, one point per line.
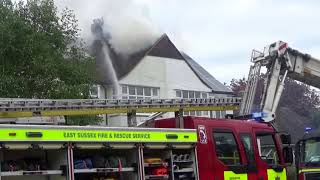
x=202 y=148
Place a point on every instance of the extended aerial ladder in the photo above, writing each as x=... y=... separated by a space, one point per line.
x=13 y=108
x=281 y=62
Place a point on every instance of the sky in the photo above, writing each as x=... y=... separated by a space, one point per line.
x=219 y=34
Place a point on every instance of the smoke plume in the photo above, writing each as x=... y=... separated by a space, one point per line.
x=127 y=23
x=115 y=30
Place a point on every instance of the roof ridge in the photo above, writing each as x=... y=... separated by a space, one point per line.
x=154 y=44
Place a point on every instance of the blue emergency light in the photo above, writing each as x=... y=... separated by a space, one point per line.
x=257 y=116
x=307 y=129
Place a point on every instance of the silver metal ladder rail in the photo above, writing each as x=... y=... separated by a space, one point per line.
x=252 y=83
x=10 y=108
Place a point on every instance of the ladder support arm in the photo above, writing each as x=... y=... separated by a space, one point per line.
x=281 y=62
x=305 y=68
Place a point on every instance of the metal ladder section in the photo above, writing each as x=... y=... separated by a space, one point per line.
x=10 y=108
x=14 y=108
x=252 y=83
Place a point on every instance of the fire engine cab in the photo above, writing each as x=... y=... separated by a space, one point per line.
x=308 y=156
x=236 y=149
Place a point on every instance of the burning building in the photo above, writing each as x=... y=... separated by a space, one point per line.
x=158 y=70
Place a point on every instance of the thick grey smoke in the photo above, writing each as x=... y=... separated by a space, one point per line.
x=126 y=21
x=114 y=30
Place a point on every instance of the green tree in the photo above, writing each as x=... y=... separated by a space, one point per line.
x=238 y=86
x=300 y=98
x=41 y=53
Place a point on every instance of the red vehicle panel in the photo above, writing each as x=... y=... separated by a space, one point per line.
x=229 y=148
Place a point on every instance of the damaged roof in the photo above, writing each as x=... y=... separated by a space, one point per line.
x=161 y=48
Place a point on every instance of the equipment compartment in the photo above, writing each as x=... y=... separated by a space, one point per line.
x=157 y=162
x=184 y=164
x=33 y=161
x=101 y=161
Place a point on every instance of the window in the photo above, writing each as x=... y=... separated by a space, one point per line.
x=124 y=89
x=248 y=147
x=94 y=91
x=267 y=148
x=223 y=114
x=192 y=94
x=178 y=94
x=218 y=114
x=310 y=151
x=154 y=92
x=139 y=92
x=197 y=94
x=204 y=95
x=226 y=148
x=185 y=94
x=132 y=90
x=147 y=91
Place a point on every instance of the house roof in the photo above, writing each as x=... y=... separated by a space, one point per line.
x=205 y=76
x=122 y=65
x=165 y=48
x=161 y=48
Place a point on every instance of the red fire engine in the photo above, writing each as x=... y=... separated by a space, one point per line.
x=226 y=149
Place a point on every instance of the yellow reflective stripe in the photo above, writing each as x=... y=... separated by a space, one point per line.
x=273 y=175
x=95 y=135
x=309 y=170
x=230 y=175
x=73 y=112
x=15 y=114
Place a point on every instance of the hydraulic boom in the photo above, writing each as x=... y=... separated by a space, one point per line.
x=281 y=62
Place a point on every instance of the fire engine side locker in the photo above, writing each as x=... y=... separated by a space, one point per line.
x=72 y=139
x=105 y=160
x=179 y=159
x=185 y=162
x=41 y=161
x=156 y=161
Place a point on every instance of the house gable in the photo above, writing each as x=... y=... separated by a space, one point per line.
x=165 y=48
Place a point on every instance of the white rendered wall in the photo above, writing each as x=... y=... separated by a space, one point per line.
x=164 y=73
